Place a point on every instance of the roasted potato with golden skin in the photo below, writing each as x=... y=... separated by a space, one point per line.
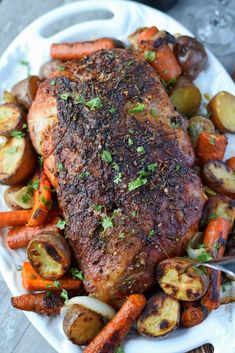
x=48 y=68
x=186 y=97
x=9 y=98
x=222 y=109
x=19 y=197
x=219 y=177
x=11 y=118
x=191 y=55
x=198 y=124
x=81 y=325
x=49 y=255
x=160 y=316
x=182 y=285
x=17 y=161
x=25 y=91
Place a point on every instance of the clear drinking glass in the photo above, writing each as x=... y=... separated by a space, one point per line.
x=215 y=26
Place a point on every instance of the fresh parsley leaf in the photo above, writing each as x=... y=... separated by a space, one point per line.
x=83 y=175
x=17 y=134
x=64 y=95
x=150 y=55
x=143 y=173
x=136 y=183
x=212 y=140
x=45 y=202
x=133 y=213
x=177 y=167
x=61 y=68
x=61 y=224
x=49 y=293
x=130 y=62
x=130 y=141
x=118 y=178
x=40 y=160
x=121 y=236
x=131 y=131
x=94 y=103
x=152 y=167
x=57 y=284
x=120 y=350
x=60 y=166
x=28 y=195
x=52 y=82
x=12 y=150
x=76 y=273
x=34 y=184
x=166 y=72
x=112 y=110
x=154 y=112
x=174 y=124
x=204 y=256
x=64 y=295
x=213 y=215
x=78 y=99
x=151 y=233
x=106 y=156
x=24 y=126
x=140 y=149
x=107 y=222
x=97 y=208
x=139 y=107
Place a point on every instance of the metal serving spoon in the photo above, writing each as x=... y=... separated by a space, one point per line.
x=225 y=264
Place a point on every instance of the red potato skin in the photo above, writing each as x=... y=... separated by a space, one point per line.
x=231 y=163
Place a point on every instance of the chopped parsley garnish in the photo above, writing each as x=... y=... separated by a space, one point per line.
x=76 y=273
x=136 y=183
x=115 y=166
x=152 y=167
x=28 y=195
x=64 y=95
x=60 y=166
x=61 y=224
x=64 y=295
x=78 y=99
x=120 y=350
x=57 y=284
x=130 y=141
x=49 y=293
x=131 y=131
x=166 y=72
x=107 y=223
x=17 y=134
x=12 y=150
x=52 y=83
x=151 y=233
x=154 y=112
x=26 y=64
x=24 y=126
x=177 y=167
x=121 y=236
x=118 y=178
x=212 y=140
x=130 y=62
x=139 y=107
x=40 y=160
x=150 y=55
x=45 y=202
x=133 y=213
x=83 y=175
x=61 y=68
x=174 y=124
x=97 y=208
x=94 y=103
x=112 y=110
x=143 y=173
x=213 y=216
x=204 y=256
x=140 y=149
x=106 y=156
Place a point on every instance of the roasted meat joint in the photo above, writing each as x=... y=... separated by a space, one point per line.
x=121 y=161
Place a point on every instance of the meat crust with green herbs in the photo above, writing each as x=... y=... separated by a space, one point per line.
x=122 y=159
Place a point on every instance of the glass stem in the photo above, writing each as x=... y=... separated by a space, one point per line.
x=218 y=18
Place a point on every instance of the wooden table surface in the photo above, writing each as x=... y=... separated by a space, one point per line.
x=17 y=335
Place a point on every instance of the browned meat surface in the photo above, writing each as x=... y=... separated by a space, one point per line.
x=133 y=137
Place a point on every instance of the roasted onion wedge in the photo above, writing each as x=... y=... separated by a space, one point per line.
x=160 y=316
x=179 y=284
x=49 y=255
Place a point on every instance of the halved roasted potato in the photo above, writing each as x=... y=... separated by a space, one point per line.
x=81 y=325
x=9 y=98
x=222 y=108
x=186 y=98
x=17 y=161
x=25 y=91
x=18 y=197
x=49 y=255
x=219 y=177
x=198 y=124
x=11 y=118
x=47 y=68
x=180 y=284
x=160 y=316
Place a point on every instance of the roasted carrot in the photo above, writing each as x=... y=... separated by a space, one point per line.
x=211 y=146
x=33 y=282
x=42 y=201
x=215 y=237
x=41 y=303
x=193 y=313
x=20 y=237
x=147 y=33
x=165 y=63
x=14 y=218
x=115 y=331
x=71 y=51
x=231 y=163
